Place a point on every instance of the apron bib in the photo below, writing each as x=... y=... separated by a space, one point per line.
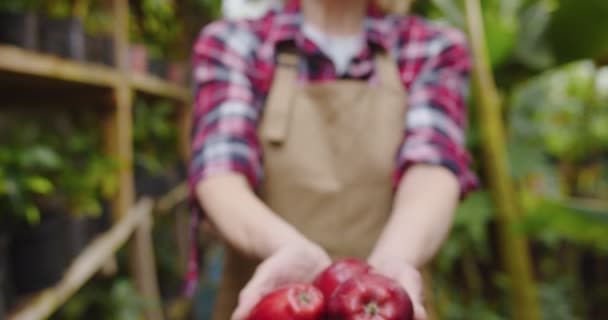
x=329 y=155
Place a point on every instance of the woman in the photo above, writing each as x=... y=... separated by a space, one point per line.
x=328 y=129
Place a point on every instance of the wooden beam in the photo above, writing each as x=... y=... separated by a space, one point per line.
x=177 y=195
x=118 y=128
x=143 y=268
x=156 y=86
x=48 y=71
x=141 y=249
x=85 y=265
x=121 y=34
x=513 y=246
x=183 y=241
x=21 y=61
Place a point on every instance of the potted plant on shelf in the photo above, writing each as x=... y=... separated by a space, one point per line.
x=99 y=38
x=19 y=23
x=155 y=24
x=154 y=137
x=156 y=63
x=88 y=177
x=60 y=32
x=176 y=73
x=138 y=53
x=53 y=178
x=27 y=205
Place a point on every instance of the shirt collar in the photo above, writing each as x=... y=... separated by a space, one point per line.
x=288 y=23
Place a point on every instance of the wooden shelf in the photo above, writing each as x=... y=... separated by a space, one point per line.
x=19 y=61
x=156 y=86
x=31 y=71
x=43 y=304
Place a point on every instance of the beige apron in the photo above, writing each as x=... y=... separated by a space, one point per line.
x=329 y=156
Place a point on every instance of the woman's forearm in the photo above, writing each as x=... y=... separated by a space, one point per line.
x=242 y=218
x=422 y=216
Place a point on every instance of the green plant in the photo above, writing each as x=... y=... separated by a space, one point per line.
x=113 y=298
x=20 y=5
x=98 y=20
x=58 y=8
x=52 y=166
x=155 y=24
x=90 y=177
x=154 y=135
x=26 y=171
x=213 y=8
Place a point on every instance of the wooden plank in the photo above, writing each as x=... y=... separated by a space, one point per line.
x=177 y=195
x=121 y=34
x=143 y=266
x=158 y=87
x=118 y=128
x=17 y=60
x=141 y=249
x=183 y=220
x=513 y=246
x=85 y=265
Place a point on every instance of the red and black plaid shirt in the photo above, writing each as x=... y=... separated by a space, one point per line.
x=234 y=62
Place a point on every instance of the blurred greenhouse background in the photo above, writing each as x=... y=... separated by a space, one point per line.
x=549 y=60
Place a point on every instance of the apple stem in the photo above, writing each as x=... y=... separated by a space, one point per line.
x=304 y=298
x=372 y=309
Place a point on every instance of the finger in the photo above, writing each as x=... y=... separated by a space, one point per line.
x=413 y=285
x=412 y=281
x=248 y=298
x=419 y=312
x=253 y=292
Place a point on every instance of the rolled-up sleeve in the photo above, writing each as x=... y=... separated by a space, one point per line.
x=437 y=114
x=225 y=111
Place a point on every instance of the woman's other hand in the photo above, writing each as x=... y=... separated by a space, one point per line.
x=297 y=262
x=410 y=279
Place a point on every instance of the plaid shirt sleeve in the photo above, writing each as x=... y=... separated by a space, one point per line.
x=225 y=107
x=437 y=117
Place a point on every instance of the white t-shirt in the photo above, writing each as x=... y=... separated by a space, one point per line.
x=340 y=49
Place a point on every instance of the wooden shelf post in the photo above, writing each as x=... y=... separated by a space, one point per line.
x=141 y=248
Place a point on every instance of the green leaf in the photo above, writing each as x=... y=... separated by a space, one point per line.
x=32 y=215
x=579 y=29
x=39 y=184
x=502 y=31
x=533 y=49
x=40 y=157
x=556 y=219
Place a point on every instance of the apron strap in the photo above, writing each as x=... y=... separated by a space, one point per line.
x=278 y=106
x=388 y=71
x=279 y=101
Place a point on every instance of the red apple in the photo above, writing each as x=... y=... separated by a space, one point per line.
x=292 y=302
x=370 y=297
x=339 y=272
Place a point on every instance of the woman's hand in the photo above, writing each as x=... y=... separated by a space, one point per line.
x=297 y=262
x=410 y=279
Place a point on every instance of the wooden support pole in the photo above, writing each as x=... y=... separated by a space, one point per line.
x=141 y=248
x=118 y=140
x=143 y=267
x=513 y=246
